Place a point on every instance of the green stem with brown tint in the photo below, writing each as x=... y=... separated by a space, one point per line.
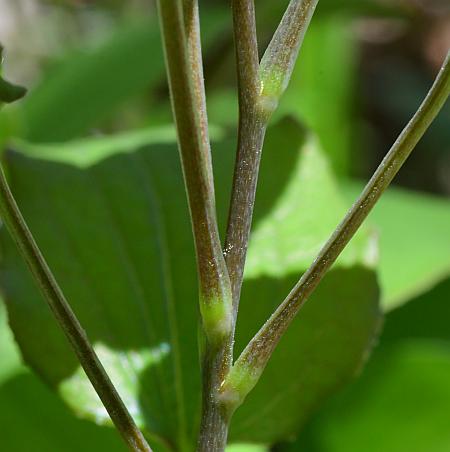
x=181 y=39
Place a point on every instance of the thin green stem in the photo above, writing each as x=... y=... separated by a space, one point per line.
x=252 y=127
x=215 y=298
x=260 y=88
x=67 y=320
x=181 y=36
x=194 y=47
x=281 y=54
x=256 y=105
x=251 y=363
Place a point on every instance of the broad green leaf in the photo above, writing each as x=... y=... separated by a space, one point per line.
x=33 y=418
x=401 y=403
x=324 y=349
x=109 y=231
x=414 y=237
x=114 y=227
x=88 y=86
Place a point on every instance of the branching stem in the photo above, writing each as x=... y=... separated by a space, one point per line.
x=260 y=88
x=251 y=133
x=67 y=320
x=251 y=363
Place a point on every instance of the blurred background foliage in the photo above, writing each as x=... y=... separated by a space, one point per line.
x=90 y=152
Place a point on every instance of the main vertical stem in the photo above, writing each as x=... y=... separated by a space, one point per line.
x=180 y=26
x=216 y=364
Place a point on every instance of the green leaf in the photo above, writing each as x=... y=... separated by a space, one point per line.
x=414 y=237
x=321 y=90
x=34 y=418
x=114 y=226
x=400 y=403
x=87 y=87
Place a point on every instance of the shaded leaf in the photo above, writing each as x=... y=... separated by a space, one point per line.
x=325 y=348
x=115 y=229
x=423 y=317
x=116 y=223
x=400 y=403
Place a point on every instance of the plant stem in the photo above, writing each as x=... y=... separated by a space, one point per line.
x=181 y=36
x=67 y=320
x=281 y=54
x=260 y=88
x=216 y=364
x=251 y=363
x=256 y=105
x=194 y=48
x=187 y=105
x=252 y=126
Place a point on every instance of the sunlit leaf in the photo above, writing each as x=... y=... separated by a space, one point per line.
x=414 y=238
